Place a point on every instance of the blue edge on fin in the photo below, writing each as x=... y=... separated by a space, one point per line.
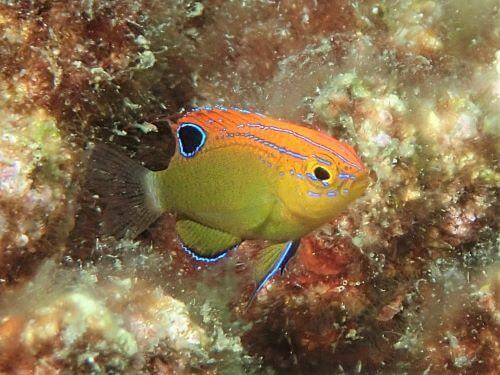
x=289 y=251
x=206 y=259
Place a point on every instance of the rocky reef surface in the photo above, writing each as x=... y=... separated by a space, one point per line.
x=407 y=281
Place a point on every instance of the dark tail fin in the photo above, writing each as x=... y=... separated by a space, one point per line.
x=122 y=185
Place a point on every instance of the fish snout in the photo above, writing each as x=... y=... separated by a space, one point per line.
x=363 y=180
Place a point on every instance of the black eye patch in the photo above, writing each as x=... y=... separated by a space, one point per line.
x=191 y=139
x=321 y=173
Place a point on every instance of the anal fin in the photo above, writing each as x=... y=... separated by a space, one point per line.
x=271 y=260
x=204 y=243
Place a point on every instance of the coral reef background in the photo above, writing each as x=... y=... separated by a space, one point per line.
x=408 y=280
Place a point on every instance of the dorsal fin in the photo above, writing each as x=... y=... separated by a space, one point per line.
x=240 y=122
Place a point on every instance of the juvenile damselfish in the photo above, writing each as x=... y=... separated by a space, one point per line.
x=235 y=175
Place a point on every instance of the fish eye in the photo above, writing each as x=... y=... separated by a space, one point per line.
x=321 y=173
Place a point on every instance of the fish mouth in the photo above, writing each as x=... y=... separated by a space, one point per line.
x=361 y=183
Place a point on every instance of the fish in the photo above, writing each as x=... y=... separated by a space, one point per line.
x=235 y=175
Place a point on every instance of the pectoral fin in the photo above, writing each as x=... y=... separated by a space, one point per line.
x=271 y=260
x=204 y=243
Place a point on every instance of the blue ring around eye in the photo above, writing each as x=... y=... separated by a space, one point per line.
x=197 y=147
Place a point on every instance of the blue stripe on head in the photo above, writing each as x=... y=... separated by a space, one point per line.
x=310 y=141
x=346 y=176
x=311 y=176
x=242 y=110
x=191 y=138
x=313 y=194
x=322 y=160
x=267 y=144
